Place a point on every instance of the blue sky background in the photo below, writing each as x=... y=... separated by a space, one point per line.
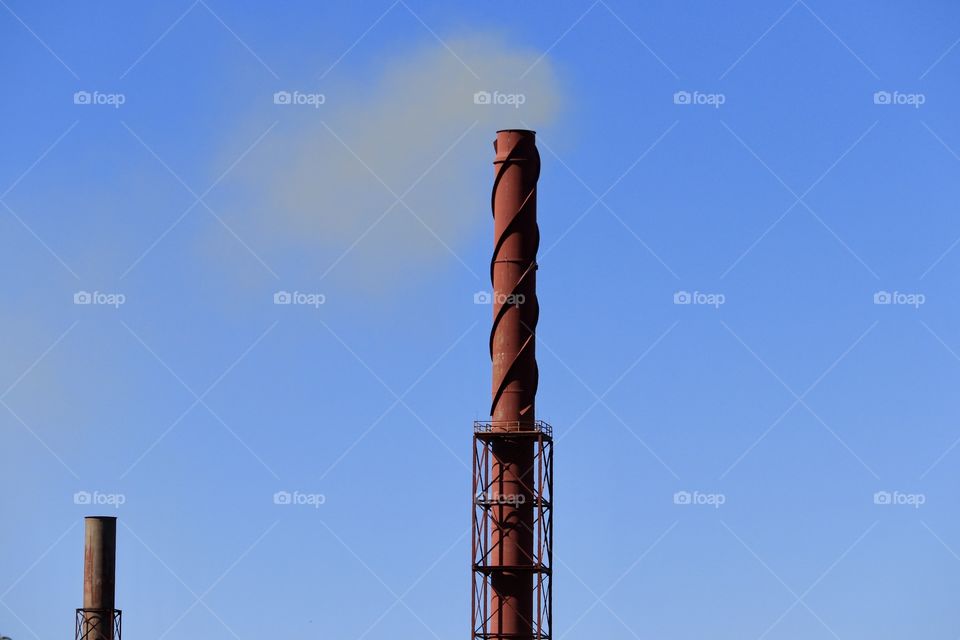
x=798 y=399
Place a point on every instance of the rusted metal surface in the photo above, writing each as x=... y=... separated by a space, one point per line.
x=99 y=618
x=513 y=272
x=509 y=557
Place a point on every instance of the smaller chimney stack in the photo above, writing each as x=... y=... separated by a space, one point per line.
x=99 y=619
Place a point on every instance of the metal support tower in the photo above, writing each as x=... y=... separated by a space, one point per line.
x=490 y=498
x=513 y=452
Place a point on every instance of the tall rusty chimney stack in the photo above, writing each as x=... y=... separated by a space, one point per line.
x=99 y=619
x=513 y=272
x=513 y=452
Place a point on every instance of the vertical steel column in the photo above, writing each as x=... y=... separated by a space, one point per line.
x=513 y=272
x=99 y=619
x=510 y=560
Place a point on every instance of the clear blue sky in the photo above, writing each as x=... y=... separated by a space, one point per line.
x=798 y=199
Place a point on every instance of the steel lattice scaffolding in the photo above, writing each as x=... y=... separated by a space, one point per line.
x=98 y=624
x=488 y=506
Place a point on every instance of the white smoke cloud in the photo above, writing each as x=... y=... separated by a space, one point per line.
x=326 y=179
